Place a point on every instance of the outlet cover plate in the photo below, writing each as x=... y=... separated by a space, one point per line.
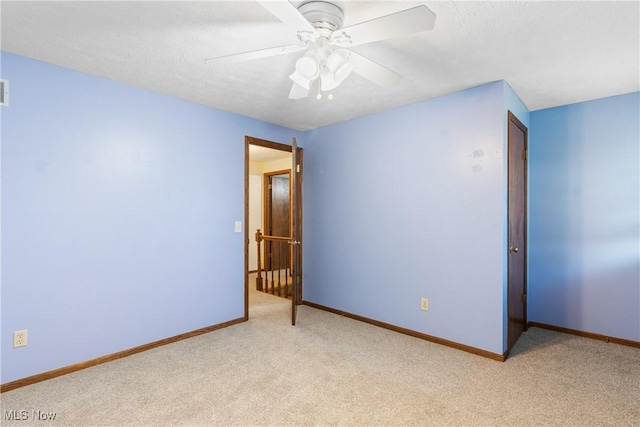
x=19 y=338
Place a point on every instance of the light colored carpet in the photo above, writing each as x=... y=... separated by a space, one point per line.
x=332 y=370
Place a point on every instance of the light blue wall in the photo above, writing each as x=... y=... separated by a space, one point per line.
x=118 y=207
x=118 y=210
x=584 y=213
x=409 y=203
x=513 y=103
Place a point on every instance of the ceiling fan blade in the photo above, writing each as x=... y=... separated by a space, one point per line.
x=287 y=13
x=405 y=22
x=373 y=71
x=255 y=54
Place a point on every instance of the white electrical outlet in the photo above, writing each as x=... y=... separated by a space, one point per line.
x=19 y=338
x=424 y=304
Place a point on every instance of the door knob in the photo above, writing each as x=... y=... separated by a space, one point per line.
x=513 y=249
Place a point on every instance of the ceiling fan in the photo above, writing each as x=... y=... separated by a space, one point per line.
x=318 y=25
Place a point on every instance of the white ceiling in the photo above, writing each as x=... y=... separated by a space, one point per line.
x=264 y=154
x=551 y=53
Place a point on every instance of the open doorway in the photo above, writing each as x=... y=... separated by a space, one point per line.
x=269 y=191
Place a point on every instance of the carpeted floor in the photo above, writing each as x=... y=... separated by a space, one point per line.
x=332 y=370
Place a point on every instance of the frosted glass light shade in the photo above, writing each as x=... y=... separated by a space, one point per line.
x=308 y=67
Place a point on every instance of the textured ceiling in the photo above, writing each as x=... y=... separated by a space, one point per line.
x=264 y=154
x=551 y=53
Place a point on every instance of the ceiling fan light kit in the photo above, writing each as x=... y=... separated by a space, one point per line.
x=327 y=62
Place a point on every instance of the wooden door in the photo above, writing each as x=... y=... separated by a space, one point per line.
x=517 y=241
x=277 y=218
x=296 y=231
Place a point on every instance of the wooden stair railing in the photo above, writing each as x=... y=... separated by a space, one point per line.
x=274 y=275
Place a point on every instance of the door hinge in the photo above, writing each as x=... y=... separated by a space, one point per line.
x=524 y=154
x=524 y=298
x=269 y=186
x=298 y=168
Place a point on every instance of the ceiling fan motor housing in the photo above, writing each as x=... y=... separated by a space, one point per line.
x=324 y=16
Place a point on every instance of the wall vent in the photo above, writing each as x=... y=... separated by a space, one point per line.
x=4 y=93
